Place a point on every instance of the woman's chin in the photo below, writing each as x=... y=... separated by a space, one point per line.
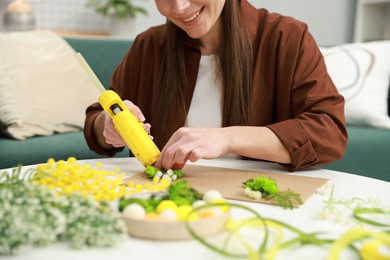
x=196 y=34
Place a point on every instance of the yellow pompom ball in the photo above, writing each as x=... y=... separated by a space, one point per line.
x=372 y=250
x=165 y=182
x=147 y=186
x=71 y=160
x=50 y=162
x=99 y=164
x=183 y=212
x=166 y=204
x=42 y=167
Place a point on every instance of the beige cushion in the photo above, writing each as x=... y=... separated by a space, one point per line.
x=43 y=87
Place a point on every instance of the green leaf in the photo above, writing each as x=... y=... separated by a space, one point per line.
x=183 y=194
x=263 y=184
x=358 y=215
x=286 y=198
x=120 y=8
x=151 y=171
x=148 y=204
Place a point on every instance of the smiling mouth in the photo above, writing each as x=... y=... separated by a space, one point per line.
x=192 y=18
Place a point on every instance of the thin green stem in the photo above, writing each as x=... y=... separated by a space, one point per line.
x=358 y=212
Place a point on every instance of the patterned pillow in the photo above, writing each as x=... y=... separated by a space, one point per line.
x=361 y=72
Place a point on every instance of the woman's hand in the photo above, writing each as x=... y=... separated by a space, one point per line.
x=192 y=144
x=209 y=143
x=111 y=135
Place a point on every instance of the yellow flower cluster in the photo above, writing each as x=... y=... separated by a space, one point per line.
x=67 y=177
x=154 y=186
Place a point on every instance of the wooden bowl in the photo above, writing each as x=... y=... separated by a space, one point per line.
x=176 y=230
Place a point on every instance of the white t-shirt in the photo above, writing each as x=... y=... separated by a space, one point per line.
x=206 y=105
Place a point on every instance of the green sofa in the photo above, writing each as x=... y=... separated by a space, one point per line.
x=367 y=154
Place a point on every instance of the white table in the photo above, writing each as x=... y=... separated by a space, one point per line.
x=346 y=186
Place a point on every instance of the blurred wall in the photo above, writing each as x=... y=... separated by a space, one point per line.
x=330 y=21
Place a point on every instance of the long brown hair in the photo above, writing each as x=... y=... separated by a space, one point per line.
x=235 y=62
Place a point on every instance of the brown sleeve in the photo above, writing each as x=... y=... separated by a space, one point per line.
x=132 y=80
x=118 y=83
x=316 y=133
x=91 y=113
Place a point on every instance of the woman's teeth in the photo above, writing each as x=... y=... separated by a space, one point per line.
x=192 y=17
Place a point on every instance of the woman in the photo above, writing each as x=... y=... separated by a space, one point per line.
x=222 y=77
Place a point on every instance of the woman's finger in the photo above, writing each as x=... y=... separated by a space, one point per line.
x=135 y=110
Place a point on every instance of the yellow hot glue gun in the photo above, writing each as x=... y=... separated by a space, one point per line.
x=127 y=125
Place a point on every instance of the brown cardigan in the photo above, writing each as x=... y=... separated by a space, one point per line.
x=292 y=93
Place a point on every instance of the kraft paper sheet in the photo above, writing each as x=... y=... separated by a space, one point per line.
x=229 y=181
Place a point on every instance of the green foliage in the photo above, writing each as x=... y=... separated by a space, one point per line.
x=286 y=198
x=120 y=8
x=179 y=173
x=148 y=204
x=33 y=215
x=180 y=192
x=183 y=194
x=270 y=191
x=16 y=176
x=263 y=184
x=151 y=171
